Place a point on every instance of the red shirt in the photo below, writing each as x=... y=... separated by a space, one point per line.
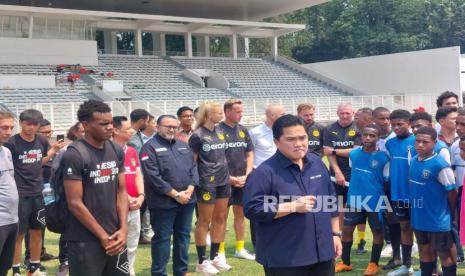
x=131 y=164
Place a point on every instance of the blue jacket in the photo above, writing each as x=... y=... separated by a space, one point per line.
x=296 y=239
x=167 y=165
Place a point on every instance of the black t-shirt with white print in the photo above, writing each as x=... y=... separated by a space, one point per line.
x=239 y=143
x=339 y=137
x=27 y=161
x=211 y=149
x=100 y=188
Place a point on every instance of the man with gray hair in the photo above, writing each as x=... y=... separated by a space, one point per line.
x=8 y=196
x=339 y=139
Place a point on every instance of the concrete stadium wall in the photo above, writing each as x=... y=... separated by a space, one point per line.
x=420 y=72
x=26 y=81
x=47 y=51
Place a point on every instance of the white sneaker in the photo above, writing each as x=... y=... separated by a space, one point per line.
x=244 y=254
x=415 y=249
x=206 y=268
x=387 y=251
x=209 y=240
x=37 y=273
x=402 y=270
x=220 y=263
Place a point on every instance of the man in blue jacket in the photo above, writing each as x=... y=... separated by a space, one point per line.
x=170 y=176
x=286 y=198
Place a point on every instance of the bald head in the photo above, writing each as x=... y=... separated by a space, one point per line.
x=273 y=112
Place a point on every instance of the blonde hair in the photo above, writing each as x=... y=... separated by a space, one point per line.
x=305 y=106
x=230 y=103
x=204 y=109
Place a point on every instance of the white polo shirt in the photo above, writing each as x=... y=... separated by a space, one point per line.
x=457 y=163
x=263 y=144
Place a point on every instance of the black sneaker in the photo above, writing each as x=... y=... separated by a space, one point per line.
x=47 y=257
x=460 y=259
x=392 y=263
x=361 y=247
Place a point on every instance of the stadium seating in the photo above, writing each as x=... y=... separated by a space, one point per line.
x=154 y=78
x=258 y=78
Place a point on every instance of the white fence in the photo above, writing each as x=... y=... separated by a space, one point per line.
x=63 y=115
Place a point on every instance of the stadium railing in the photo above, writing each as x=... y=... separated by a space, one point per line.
x=63 y=115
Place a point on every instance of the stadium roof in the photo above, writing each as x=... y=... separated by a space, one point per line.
x=157 y=23
x=250 y=10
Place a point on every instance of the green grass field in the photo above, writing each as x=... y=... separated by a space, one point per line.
x=240 y=267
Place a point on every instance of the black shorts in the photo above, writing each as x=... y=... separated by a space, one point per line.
x=360 y=217
x=401 y=210
x=31 y=212
x=237 y=194
x=440 y=241
x=90 y=259
x=208 y=195
x=341 y=191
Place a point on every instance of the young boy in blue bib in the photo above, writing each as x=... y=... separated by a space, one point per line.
x=370 y=171
x=432 y=197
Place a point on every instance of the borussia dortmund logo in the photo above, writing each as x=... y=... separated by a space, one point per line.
x=316 y=133
x=206 y=196
x=241 y=134
x=425 y=174
x=351 y=133
x=221 y=136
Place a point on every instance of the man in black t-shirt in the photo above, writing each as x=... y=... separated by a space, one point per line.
x=314 y=130
x=339 y=139
x=239 y=155
x=97 y=228
x=29 y=152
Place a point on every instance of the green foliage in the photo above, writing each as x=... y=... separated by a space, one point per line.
x=356 y=28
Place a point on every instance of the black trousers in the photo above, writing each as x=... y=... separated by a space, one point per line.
x=8 y=234
x=90 y=259
x=318 y=269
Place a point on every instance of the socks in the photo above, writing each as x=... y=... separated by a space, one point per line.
x=33 y=266
x=360 y=236
x=221 y=248
x=427 y=268
x=395 y=239
x=407 y=255
x=214 y=247
x=346 y=247
x=376 y=253
x=239 y=246
x=201 y=253
x=16 y=268
x=449 y=270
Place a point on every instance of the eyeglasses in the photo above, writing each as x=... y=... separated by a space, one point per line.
x=170 y=127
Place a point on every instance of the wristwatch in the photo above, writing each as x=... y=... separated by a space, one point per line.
x=177 y=196
x=336 y=234
x=141 y=194
x=333 y=152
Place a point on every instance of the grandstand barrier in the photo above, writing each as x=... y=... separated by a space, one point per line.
x=207 y=78
x=48 y=51
x=63 y=115
x=26 y=81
